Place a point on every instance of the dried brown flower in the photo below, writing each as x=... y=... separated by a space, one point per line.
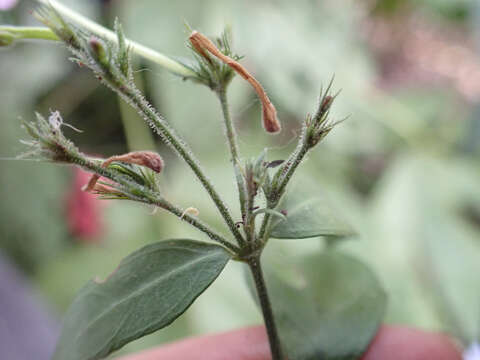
x=148 y=159
x=270 y=121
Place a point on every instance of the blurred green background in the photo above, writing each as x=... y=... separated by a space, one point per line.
x=404 y=168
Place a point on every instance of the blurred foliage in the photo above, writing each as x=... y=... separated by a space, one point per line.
x=456 y=11
x=404 y=168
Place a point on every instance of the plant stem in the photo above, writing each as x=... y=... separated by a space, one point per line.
x=263 y=227
x=200 y=225
x=280 y=182
x=287 y=171
x=135 y=99
x=138 y=135
x=232 y=142
x=273 y=339
x=149 y=197
x=229 y=128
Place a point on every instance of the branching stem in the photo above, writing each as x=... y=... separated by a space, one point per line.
x=171 y=138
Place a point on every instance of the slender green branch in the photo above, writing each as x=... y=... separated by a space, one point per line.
x=251 y=192
x=229 y=128
x=150 y=197
x=273 y=338
x=134 y=98
x=200 y=225
x=280 y=181
x=232 y=142
x=263 y=235
x=288 y=171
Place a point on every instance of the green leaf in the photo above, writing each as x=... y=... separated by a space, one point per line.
x=308 y=215
x=327 y=306
x=149 y=290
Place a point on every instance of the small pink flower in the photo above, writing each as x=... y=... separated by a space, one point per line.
x=7 y=4
x=83 y=210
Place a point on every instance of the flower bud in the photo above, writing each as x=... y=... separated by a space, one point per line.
x=98 y=51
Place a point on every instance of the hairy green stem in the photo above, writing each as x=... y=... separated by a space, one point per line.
x=280 y=181
x=229 y=128
x=251 y=192
x=273 y=338
x=232 y=142
x=138 y=135
x=134 y=98
x=200 y=225
x=287 y=171
x=263 y=235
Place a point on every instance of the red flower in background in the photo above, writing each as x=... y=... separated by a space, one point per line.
x=83 y=210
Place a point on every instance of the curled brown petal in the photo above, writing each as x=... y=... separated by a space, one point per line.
x=148 y=159
x=270 y=120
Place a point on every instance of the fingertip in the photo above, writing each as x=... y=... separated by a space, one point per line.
x=404 y=343
x=243 y=344
x=390 y=343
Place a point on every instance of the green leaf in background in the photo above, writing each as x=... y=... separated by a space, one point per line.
x=329 y=306
x=149 y=290
x=308 y=215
